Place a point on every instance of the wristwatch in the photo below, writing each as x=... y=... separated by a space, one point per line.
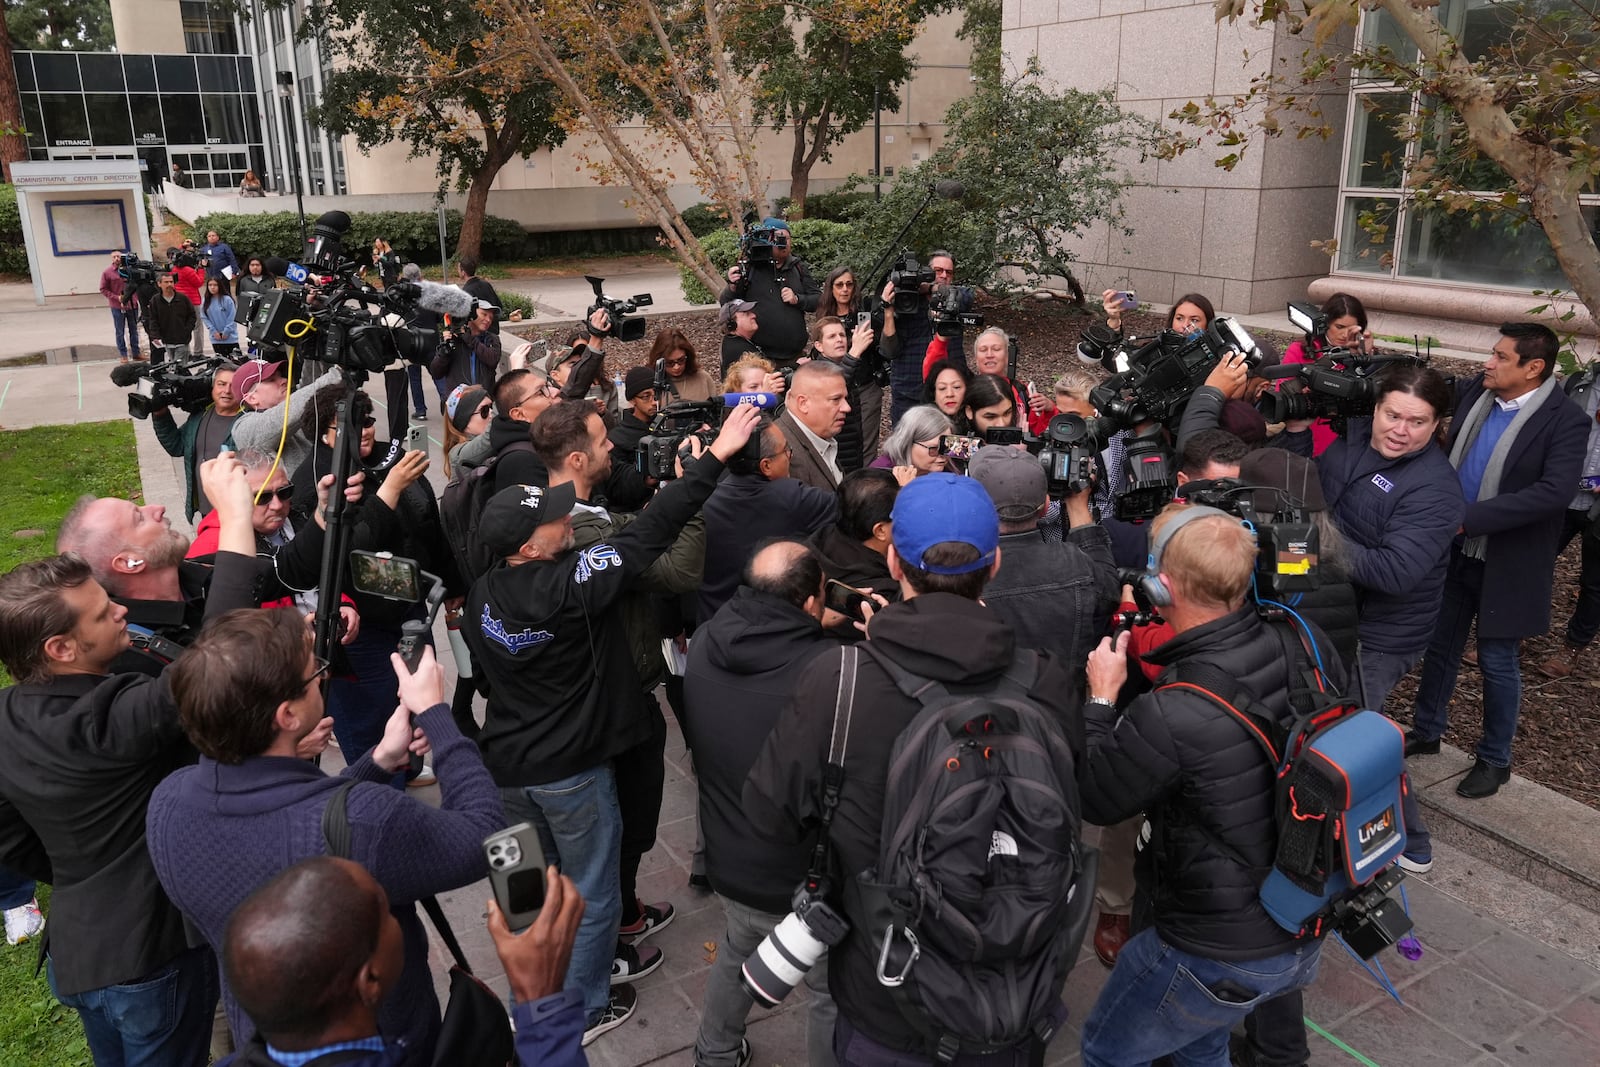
x=1101 y=700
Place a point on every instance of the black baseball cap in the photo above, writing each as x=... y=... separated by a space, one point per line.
x=513 y=513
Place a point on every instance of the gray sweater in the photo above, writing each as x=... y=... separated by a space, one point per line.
x=261 y=430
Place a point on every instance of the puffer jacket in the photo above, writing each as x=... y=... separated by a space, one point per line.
x=1206 y=786
x=1398 y=517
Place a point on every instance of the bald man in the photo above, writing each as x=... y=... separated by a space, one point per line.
x=815 y=411
x=313 y=952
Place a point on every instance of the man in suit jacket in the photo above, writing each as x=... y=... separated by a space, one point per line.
x=814 y=413
x=1517 y=443
x=81 y=750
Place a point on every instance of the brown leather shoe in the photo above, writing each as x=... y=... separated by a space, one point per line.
x=1562 y=664
x=1110 y=934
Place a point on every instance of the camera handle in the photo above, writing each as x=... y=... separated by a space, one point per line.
x=414 y=638
x=336 y=546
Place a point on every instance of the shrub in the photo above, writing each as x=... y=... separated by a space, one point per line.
x=413 y=234
x=823 y=245
x=704 y=219
x=510 y=302
x=13 y=252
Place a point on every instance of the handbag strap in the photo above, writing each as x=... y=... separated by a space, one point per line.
x=336 y=838
x=833 y=772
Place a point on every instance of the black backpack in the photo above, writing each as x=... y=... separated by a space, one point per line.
x=983 y=891
x=462 y=506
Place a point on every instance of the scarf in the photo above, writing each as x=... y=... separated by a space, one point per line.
x=1489 y=488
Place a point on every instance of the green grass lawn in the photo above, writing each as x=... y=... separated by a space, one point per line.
x=42 y=472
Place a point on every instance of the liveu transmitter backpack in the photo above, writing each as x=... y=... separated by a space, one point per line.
x=982 y=892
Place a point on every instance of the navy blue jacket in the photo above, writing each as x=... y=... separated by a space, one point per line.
x=1398 y=517
x=1523 y=521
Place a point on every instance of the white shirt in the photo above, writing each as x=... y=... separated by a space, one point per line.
x=828 y=450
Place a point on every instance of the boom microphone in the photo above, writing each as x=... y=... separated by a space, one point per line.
x=442 y=299
x=950 y=189
x=126 y=374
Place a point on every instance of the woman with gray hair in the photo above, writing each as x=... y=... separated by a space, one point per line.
x=912 y=449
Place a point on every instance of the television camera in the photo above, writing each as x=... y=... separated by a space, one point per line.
x=622 y=327
x=1341 y=384
x=183 y=383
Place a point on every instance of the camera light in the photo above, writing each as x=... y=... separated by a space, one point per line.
x=1303 y=317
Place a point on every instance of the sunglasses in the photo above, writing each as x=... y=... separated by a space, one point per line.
x=484 y=409
x=285 y=493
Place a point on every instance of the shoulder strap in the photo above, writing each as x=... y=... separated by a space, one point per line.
x=833 y=771
x=1224 y=690
x=336 y=837
x=1021 y=674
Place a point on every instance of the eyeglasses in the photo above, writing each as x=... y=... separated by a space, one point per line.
x=933 y=449
x=484 y=409
x=317 y=675
x=284 y=493
x=678 y=362
x=943 y=270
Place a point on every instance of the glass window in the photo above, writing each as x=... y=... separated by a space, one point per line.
x=108 y=118
x=1458 y=157
x=141 y=71
x=1500 y=249
x=1378 y=31
x=57 y=72
x=64 y=118
x=22 y=63
x=177 y=74
x=224 y=119
x=1377 y=153
x=146 y=109
x=218 y=74
x=102 y=73
x=247 y=74
x=1366 y=234
x=236 y=161
x=33 y=119
x=185 y=122
x=201 y=179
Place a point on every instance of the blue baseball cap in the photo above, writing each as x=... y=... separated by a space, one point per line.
x=936 y=508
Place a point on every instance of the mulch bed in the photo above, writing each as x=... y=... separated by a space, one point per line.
x=1558 y=738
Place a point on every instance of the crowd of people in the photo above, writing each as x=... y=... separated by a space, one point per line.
x=805 y=593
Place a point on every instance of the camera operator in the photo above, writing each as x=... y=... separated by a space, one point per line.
x=741 y=672
x=1055 y=596
x=571 y=439
x=1209 y=795
x=783 y=291
x=756 y=500
x=81 y=750
x=189 y=277
x=467 y=278
x=842 y=297
x=673 y=352
x=121 y=298
x=739 y=325
x=914 y=333
x=170 y=319
x=469 y=356
x=248 y=692
x=945 y=551
x=1347 y=329
x=638 y=390
x=833 y=341
x=263 y=388
x=202 y=435
x=548 y=633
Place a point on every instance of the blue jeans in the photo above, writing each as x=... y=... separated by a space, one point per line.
x=15 y=890
x=419 y=402
x=125 y=321
x=361 y=706
x=580 y=827
x=1497 y=659
x=1380 y=673
x=1161 y=1001
x=161 y=1020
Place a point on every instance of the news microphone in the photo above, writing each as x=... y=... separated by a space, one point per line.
x=335 y=221
x=276 y=266
x=441 y=299
x=764 y=401
x=126 y=374
x=950 y=189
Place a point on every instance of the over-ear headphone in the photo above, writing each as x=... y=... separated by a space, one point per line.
x=1151 y=584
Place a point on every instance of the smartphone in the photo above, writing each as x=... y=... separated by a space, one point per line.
x=417 y=437
x=1127 y=299
x=957 y=446
x=863 y=318
x=845 y=600
x=1004 y=435
x=516 y=872
x=386 y=575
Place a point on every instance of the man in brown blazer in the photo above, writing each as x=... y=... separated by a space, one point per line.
x=814 y=413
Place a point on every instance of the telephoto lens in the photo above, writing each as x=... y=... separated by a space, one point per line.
x=793 y=948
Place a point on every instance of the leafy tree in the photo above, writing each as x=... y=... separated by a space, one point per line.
x=1502 y=130
x=61 y=25
x=13 y=141
x=1038 y=167
x=416 y=72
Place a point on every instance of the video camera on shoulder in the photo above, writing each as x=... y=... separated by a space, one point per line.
x=183 y=383
x=756 y=246
x=1288 y=546
x=1342 y=384
x=139 y=272
x=949 y=320
x=670 y=432
x=1152 y=379
x=622 y=327
x=909 y=279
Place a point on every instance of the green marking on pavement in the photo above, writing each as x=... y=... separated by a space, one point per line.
x=1340 y=1045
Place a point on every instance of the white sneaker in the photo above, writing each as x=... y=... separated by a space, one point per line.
x=24 y=922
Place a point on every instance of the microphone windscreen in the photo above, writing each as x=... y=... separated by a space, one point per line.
x=126 y=374
x=764 y=401
x=276 y=266
x=950 y=189
x=337 y=221
x=445 y=299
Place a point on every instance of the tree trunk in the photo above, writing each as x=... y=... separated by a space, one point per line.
x=13 y=144
x=498 y=149
x=799 y=172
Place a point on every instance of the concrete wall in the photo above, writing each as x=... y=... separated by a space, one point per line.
x=1241 y=237
x=147 y=26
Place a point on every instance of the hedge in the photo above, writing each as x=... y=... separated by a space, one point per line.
x=413 y=234
x=823 y=245
x=13 y=252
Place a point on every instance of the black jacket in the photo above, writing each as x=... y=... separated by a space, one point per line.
x=1205 y=785
x=742 y=669
x=844 y=559
x=516 y=466
x=780 y=327
x=481 y=289
x=937 y=635
x=747 y=509
x=170 y=321
x=550 y=639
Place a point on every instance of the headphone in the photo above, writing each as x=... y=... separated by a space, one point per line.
x=1150 y=582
